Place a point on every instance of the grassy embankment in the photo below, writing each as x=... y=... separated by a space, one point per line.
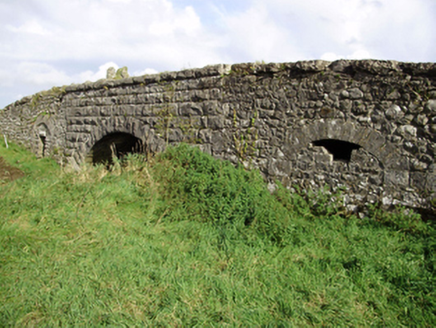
x=185 y=240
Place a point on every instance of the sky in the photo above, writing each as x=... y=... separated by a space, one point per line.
x=46 y=43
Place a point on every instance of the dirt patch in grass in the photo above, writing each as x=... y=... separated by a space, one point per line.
x=9 y=173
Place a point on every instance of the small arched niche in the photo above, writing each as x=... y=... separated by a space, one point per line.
x=42 y=136
x=341 y=150
x=115 y=145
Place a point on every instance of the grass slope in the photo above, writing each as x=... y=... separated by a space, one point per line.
x=186 y=240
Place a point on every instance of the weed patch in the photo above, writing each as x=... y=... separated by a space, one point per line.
x=215 y=191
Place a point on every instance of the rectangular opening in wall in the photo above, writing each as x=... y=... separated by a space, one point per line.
x=341 y=150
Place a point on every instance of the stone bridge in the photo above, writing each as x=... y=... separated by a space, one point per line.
x=367 y=126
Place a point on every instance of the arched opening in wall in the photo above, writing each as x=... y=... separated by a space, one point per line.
x=114 y=145
x=42 y=136
x=341 y=150
x=43 y=145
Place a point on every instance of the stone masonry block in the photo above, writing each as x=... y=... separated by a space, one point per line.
x=397 y=178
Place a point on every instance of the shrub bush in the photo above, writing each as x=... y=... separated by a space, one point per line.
x=213 y=190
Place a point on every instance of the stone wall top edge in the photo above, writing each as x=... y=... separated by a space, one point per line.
x=193 y=73
x=39 y=97
x=369 y=66
x=344 y=66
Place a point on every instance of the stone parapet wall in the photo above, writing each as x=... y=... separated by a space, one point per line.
x=37 y=122
x=367 y=127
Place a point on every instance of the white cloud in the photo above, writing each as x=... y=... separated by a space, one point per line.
x=147 y=71
x=162 y=33
x=255 y=35
x=94 y=76
x=186 y=22
x=385 y=29
x=121 y=1
x=35 y=73
x=50 y=42
x=330 y=56
x=121 y=31
x=358 y=54
x=30 y=27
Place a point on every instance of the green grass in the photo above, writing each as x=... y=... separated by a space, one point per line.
x=186 y=240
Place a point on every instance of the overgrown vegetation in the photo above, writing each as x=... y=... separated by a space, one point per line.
x=185 y=240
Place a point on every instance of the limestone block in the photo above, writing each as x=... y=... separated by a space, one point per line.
x=418 y=180
x=175 y=135
x=206 y=148
x=111 y=73
x=394 y=95
x=278 y=168
x=418 y=165
x=219 y=142
x=396 y=178
x=431 y=106
x=355 y=93
x=407 y=131
x=421 y=119
x=430 y=182
x=312 y=65
x=205 y=135
x=345 y=105
x=305 y=163
x=394 y=112
x=375 y=179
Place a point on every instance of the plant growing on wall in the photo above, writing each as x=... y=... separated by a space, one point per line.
x=245 y=139
x=164 y=118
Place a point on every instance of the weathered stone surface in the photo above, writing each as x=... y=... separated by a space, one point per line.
x=407 y=130
x=266 y=116
x=394 y=112
x=355 y=93
x=397 y=178
x=431 y=105
x=111 y=72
